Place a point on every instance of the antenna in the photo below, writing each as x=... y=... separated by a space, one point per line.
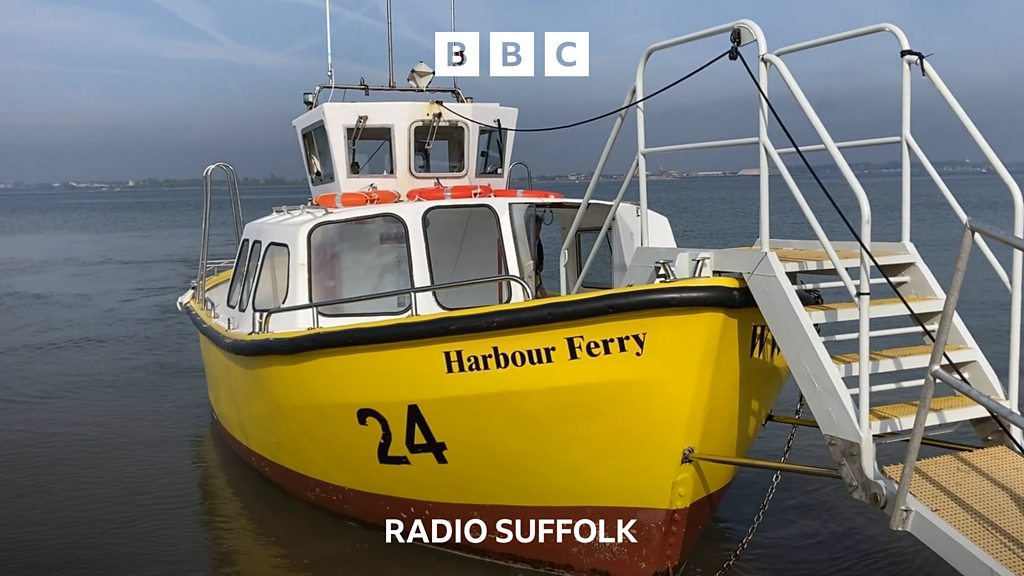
x=454 y=83
x=330 y=60
x=391 y=55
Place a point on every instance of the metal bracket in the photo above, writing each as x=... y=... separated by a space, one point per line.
x=435 y=121
x=357 y=132
x=847 y=457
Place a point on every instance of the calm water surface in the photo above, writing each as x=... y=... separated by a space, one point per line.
x=110 y=465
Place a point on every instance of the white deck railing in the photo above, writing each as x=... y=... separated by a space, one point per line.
x=859 y=290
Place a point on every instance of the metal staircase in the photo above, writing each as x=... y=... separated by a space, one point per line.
x=868 y=358
x=897 y=365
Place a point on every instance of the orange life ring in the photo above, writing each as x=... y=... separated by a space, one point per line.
x=362 y=198
x=446 y=192
x=510 y=193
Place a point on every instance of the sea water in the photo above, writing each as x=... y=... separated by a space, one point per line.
x=109 y=461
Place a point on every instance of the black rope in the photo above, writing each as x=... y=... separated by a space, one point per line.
x=600 y=116
x=860 y=241
x=920 y=58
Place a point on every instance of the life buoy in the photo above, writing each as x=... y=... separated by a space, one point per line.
x=510 y=193
x=362 y=198
x=450 y=192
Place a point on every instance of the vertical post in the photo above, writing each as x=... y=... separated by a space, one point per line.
x=1013 y=378
x=330 y=60
x=905 y=151
x=391 y=56
x=864 y=352
x=641 y=153
x=762 y=154
x=455 y=84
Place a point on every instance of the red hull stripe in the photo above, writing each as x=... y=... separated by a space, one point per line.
x=664 y=537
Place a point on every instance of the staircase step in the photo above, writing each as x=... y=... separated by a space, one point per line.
x=904 y=358
x=811 y=260
x=980 y=494
x=880 y=308
x=901 y=279
x=889 y=386
x=942 y=410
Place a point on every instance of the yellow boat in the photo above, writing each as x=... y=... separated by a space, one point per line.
x=396 y=350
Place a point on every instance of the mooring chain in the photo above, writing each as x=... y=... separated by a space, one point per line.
x=769 y=494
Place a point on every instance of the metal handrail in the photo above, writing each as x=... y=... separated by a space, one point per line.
x=900 y=511
x=1013 y=281
x=860 y=289
x=236 y=208
x=264 y=321
x=366 y=89
x=635 y=93
x=529 y=174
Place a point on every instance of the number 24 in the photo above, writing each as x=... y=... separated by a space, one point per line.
x=414 y=421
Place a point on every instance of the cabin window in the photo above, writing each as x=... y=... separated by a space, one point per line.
x=250 y=273
x=272 y=285
x=235 y=289
x=600 y=273
x=319 y=164
x=439 y=148
x=370 y=151
x=363 y=257
x=491 y=152
x=464 y=243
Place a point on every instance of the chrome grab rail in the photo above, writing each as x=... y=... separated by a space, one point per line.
x=529 y=174
x=900 y=511
x=366 y=89
x=265 y=315
x=236 y=208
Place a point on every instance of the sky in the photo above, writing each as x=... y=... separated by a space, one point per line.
x=130 y=89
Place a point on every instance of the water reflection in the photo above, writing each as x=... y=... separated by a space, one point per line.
x=257 y=529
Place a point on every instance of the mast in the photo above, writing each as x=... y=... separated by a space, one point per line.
x=454 y=83
x=391 y=56
x=330 y=60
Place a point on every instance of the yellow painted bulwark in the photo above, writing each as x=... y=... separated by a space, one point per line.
x=601 y=430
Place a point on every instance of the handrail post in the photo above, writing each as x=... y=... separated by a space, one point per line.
x=905 y=102
x=236 y=208
x=641 y=143
x=763 y=175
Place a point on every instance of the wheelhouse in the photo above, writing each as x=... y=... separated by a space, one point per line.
x=397 y=251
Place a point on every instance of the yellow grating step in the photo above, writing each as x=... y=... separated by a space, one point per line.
x=805 y=255
x=906 y=409
x=801 y=255
x=980 y=494
x=892 y=353
x=878 y=302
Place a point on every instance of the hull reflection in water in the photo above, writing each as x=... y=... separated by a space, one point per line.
x=257 y=530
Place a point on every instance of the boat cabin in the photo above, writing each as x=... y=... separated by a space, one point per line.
x=374 y=244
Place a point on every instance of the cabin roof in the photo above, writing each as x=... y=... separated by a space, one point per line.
x=287 y=219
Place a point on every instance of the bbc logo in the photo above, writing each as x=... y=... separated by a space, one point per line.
x=511 y=54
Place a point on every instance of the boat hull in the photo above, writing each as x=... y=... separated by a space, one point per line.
x=568 y=409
